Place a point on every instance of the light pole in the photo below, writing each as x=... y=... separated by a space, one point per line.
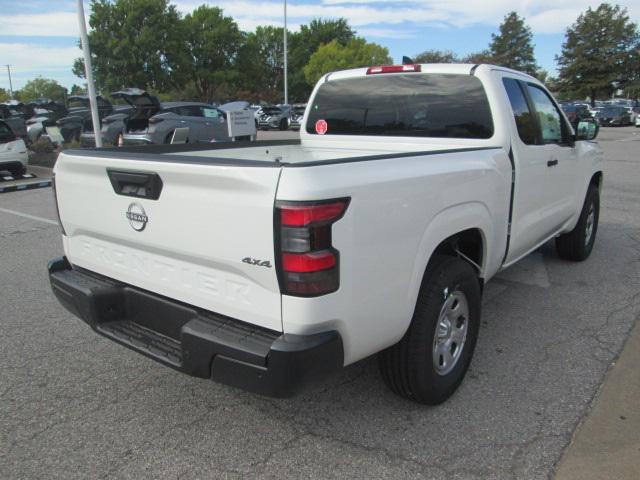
x=10 y=84
x=286 y=92
x=89 y=74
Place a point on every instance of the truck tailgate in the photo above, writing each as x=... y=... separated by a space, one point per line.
x=189 y=243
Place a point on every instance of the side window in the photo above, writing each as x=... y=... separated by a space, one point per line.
x=524 y=119
x=210 y=112
x=194 y=111
x=549 y=117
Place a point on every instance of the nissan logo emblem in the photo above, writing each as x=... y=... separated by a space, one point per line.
x=137 y=217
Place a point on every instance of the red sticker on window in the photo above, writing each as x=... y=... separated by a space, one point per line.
x=321 y=127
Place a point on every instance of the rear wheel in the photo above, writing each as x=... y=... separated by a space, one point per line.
x=432 y=358
x=284 y=124
x=578 y=243
x=168 y=138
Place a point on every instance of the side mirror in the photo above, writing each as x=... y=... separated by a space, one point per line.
x=587 y=130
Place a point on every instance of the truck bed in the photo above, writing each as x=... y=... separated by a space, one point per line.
x=275 y=153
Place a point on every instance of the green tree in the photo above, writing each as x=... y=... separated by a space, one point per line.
x=213 y=42
x=436 y=56
x=42 y=88
x=600 y=51
x=4 y=95
x=304 y=43
x=261 y=63
x=334 y=56
x=77 y=90
x=135 y=43
x=513 y=47
x=479 y=57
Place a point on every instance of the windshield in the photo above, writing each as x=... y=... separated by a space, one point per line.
x=271 y=111
x=412 y=105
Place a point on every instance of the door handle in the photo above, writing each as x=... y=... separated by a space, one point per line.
x=552 y=163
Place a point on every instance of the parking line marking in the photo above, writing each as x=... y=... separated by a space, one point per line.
x=26 y=215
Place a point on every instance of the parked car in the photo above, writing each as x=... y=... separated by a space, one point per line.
x=45 y=114
x=79 y=117
x=270 y=265
x=15 y=118
x=297 y=113
x=611 y=116
x=13 y=151
x=275 y=117
x=575 y=112
x=634 y=113
x=111 y=127
x=205 y=122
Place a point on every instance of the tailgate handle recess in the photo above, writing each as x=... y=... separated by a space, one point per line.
x=136 y=184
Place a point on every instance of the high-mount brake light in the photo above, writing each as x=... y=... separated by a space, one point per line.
x=394 y=69
x=308 y=265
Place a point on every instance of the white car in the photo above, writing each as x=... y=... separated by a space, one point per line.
x=13 y=151
x=270 y=265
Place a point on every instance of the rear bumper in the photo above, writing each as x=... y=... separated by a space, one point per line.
x=199 y=343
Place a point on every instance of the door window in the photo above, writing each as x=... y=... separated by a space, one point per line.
x=210 y=112
x=549 y=118
x=192 y=111
x=523 y=117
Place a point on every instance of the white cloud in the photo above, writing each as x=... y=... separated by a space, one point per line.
x=32 y=59
x=368 y=16
x=53 y=24
x=544 y=16
x=386 y=33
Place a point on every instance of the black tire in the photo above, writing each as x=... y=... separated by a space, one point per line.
x=284 y=124
x=577 y=244
x=167 y=139
x=17 y=170
x=409 y=368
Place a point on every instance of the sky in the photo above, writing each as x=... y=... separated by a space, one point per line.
x=40 y=37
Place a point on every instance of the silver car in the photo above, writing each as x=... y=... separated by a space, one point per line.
x=276 y=117
x=297 y=113
x=111 y=127
x=153 y=122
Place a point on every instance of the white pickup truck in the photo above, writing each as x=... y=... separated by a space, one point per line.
x=268 y=264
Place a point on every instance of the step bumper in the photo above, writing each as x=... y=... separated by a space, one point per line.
x=199 y=343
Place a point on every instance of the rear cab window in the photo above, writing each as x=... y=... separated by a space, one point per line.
x=410 y=105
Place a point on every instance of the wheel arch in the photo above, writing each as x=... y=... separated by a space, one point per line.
x=596 y=180
x=459 y=231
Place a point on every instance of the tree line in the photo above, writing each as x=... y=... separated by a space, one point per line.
x=204 y=55
x=600 y=54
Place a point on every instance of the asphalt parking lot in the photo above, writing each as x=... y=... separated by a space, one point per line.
x=75 y=405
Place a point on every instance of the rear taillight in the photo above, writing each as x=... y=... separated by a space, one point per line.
x=55 y=201
x=308 y=265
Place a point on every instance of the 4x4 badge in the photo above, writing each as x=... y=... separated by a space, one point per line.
x=255 y=261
